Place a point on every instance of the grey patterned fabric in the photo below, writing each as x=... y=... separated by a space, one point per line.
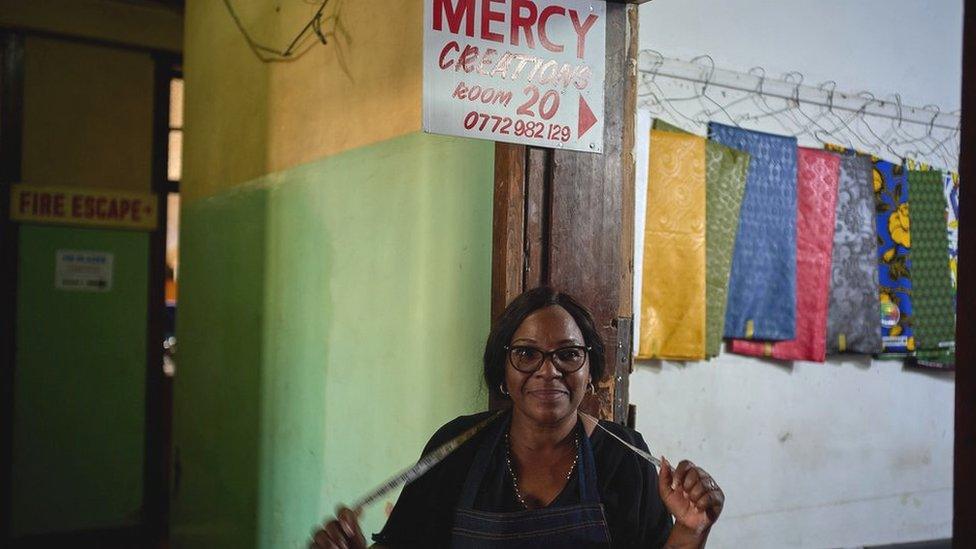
x=852 y=321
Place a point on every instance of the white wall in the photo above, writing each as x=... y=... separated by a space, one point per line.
x=848 y=453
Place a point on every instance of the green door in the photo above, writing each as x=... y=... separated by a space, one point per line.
x=80 y=385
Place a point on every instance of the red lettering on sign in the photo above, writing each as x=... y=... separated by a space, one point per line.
x=59 y=205
x=452 y=45
x=454 y=12
x=45 y=201
x=52 y=204
x=543 y=77
x=487 y=16
x=583 y=77
x=535 y=70
x=24 y=202
x=502 y=66
x=522 y=15
x=466 y=62
x=487 y=60
x=543 y=36
x=523 y=24
x=581 y=30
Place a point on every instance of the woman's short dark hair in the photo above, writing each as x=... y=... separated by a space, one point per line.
x=522 y=306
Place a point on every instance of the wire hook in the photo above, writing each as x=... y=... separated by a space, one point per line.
x=798 y=77
x=830 y=93
x=656 y=63
x=711 y=70
x=934 y=116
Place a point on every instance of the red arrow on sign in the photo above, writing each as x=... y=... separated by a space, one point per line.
x=586 y=118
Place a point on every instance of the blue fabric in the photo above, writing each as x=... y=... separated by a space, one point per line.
x=568 y=527
x=762 y=284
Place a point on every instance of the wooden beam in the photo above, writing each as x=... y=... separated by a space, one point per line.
x=964 y=475
x=11 y=132
x=591 y=239
x=565 y=218
x=508 y=238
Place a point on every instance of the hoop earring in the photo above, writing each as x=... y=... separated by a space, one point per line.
x=502 y=390
x=590 y=388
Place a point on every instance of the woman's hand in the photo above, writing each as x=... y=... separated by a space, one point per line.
x=691 y=496
x=341 y=532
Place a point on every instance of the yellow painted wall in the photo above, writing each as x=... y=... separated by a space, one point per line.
x=225 y=113
x=363 y=87
x=92 y=95
x=132 y=22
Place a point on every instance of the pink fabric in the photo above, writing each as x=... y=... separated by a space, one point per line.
x=817 y=177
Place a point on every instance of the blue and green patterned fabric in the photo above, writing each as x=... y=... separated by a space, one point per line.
x=932 y=291
x=890 y=183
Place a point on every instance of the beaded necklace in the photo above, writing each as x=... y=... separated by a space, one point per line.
x=511 y=469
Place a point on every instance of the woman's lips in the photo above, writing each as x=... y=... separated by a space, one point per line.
x=548 y=394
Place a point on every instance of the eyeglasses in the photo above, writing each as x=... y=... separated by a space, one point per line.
x=528 y=359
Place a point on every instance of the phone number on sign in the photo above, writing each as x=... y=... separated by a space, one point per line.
x=521 y=128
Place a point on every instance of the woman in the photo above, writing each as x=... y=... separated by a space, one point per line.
x=539 y=475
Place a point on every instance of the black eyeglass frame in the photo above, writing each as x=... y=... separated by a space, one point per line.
x=548 y=355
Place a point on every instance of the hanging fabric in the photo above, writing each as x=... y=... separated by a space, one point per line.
x=932 y=295
x=725 y=175
x=725 y=181
x=673 y=292
x=890 y=184
x=852 y=321
x=894 y=267
x=817 y=181
x=762 y=283
x=950 y=186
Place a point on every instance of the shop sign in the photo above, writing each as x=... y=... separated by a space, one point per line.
x=86 y=207
x=519 y=71
x=84 y=271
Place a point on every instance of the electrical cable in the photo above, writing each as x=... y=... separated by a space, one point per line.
x=267 y=54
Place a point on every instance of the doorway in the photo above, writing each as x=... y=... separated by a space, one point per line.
x=86 y=409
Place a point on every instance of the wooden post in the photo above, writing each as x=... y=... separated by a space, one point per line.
x=964 y=477
x=565 y=218
x=11 y=122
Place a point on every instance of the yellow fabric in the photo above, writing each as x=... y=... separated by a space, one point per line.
x=673 y=287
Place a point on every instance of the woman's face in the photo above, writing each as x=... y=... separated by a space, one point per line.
x=547 y=395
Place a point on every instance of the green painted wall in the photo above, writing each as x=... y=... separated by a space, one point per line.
x=80 y=386
x=219 y=366
x=332 y=316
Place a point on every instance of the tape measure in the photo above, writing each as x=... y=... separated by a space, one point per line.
x=436 y=456
x=636 y=450
x=425 y=464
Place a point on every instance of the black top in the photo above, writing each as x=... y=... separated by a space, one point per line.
x=627 y=484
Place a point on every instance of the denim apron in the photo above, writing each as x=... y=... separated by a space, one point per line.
x=580 y=526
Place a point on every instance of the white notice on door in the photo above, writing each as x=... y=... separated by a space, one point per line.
x=83 y=270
